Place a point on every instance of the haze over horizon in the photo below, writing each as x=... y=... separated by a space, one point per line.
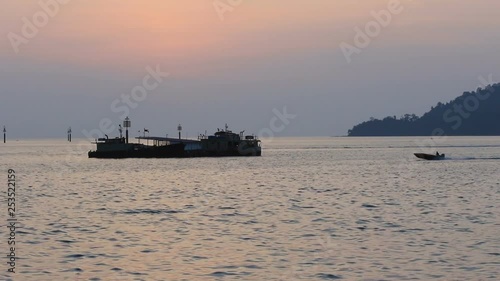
x=258 y=58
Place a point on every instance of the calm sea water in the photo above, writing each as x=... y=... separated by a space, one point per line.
x=308 y=209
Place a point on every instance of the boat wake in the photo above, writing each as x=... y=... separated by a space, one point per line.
x=471 y=158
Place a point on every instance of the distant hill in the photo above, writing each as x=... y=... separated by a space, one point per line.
x=472 y=114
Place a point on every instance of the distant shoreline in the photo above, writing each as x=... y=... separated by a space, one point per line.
x=471 y=114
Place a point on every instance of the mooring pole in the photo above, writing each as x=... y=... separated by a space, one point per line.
x=4 y=135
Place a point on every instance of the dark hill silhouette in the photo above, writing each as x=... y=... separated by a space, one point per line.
x=472 y=114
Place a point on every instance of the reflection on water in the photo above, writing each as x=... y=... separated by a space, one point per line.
x=309 y=209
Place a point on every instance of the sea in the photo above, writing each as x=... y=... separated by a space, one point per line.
x=322 y=208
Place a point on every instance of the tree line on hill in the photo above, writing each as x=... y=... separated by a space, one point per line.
x=471 y=114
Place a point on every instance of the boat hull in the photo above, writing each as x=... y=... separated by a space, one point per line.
x=172 y=151
x=429 y=156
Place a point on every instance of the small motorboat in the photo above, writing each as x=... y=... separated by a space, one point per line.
x=426 y=156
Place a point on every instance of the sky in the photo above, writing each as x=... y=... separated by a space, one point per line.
x=267 y=67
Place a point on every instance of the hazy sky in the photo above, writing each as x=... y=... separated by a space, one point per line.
x=236 y=65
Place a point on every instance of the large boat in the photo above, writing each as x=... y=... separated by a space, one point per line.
x=222 y=143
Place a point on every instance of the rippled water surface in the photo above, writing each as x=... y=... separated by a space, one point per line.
x=308 y=209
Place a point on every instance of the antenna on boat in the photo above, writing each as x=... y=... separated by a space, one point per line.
x=120 y=129
x=126 y=124
x=179 y=128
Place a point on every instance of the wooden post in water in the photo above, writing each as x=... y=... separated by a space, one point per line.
x=4 y=135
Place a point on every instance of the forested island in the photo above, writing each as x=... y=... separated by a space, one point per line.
x=472 y=114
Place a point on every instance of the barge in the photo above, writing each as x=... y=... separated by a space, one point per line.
x=222 y=143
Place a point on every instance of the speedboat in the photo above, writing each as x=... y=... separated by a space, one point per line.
x=426 y=156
